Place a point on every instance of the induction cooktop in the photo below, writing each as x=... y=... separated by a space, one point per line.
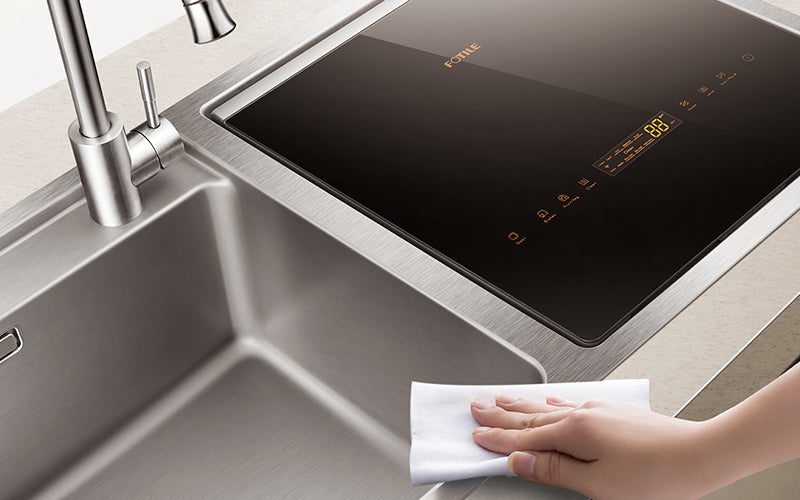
x=574 y=157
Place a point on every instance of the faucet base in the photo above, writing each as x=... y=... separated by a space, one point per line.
x=104 y=164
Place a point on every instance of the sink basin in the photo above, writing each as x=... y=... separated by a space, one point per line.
x=221 y=346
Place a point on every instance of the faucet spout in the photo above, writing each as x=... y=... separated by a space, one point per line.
x=209 y=19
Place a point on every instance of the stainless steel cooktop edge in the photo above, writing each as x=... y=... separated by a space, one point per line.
x=562 y=359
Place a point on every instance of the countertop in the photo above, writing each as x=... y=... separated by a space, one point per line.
x=678 y=360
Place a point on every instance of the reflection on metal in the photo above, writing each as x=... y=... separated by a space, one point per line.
x=209 y=19
x=10 y=343
x=106 y=156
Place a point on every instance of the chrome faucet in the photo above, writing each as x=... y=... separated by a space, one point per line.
x=111 y=163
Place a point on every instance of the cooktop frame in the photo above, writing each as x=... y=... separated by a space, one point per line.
x=352 y=168
x=562 y=359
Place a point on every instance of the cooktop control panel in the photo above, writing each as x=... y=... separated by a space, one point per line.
x=574 y=157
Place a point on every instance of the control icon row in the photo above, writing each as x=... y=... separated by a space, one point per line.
x=707 y=91
x=546 y=216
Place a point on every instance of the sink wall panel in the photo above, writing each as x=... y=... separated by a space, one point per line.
x=103 y=342
x=350 y=323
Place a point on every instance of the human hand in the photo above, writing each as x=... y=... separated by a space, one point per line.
x=601 y=449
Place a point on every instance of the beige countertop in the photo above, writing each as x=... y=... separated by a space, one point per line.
x=678 y=360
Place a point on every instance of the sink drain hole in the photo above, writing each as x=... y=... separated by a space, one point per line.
x=10 y=343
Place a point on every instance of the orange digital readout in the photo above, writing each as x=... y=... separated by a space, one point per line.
x=637 y=143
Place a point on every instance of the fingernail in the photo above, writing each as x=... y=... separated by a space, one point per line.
x=552 y=398
x=479 y=403
x=479 y=430
x=521 y=463
x=504 y=398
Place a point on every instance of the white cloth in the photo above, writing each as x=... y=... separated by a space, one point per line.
x=442 y=448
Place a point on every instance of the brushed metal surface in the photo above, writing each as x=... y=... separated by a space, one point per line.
x=104 y=334
x=234 y=440
x=220 y=337
x=10 y=343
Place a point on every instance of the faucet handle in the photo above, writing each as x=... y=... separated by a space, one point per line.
x=155 y=143
x=148 y=89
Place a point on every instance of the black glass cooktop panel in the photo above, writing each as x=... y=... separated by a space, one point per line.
x=572 y=156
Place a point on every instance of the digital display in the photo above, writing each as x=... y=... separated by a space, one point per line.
x=636 y=144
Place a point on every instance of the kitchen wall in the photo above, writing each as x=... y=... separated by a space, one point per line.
x=29 y=59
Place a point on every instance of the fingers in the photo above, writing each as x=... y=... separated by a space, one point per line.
x=511 y=403
x=507 y=441
x=495 y=416
x=552 y=469
x=554 y=400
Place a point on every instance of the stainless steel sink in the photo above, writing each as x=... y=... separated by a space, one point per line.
x=250 y=335
x=221 y=347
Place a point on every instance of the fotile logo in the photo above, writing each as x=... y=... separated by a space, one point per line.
x=462 y=55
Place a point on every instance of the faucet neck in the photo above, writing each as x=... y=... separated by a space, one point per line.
x=76 y=52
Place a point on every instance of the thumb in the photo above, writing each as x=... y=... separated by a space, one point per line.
x=550 y=468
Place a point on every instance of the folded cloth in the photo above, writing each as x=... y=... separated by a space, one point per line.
x=442 y=448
